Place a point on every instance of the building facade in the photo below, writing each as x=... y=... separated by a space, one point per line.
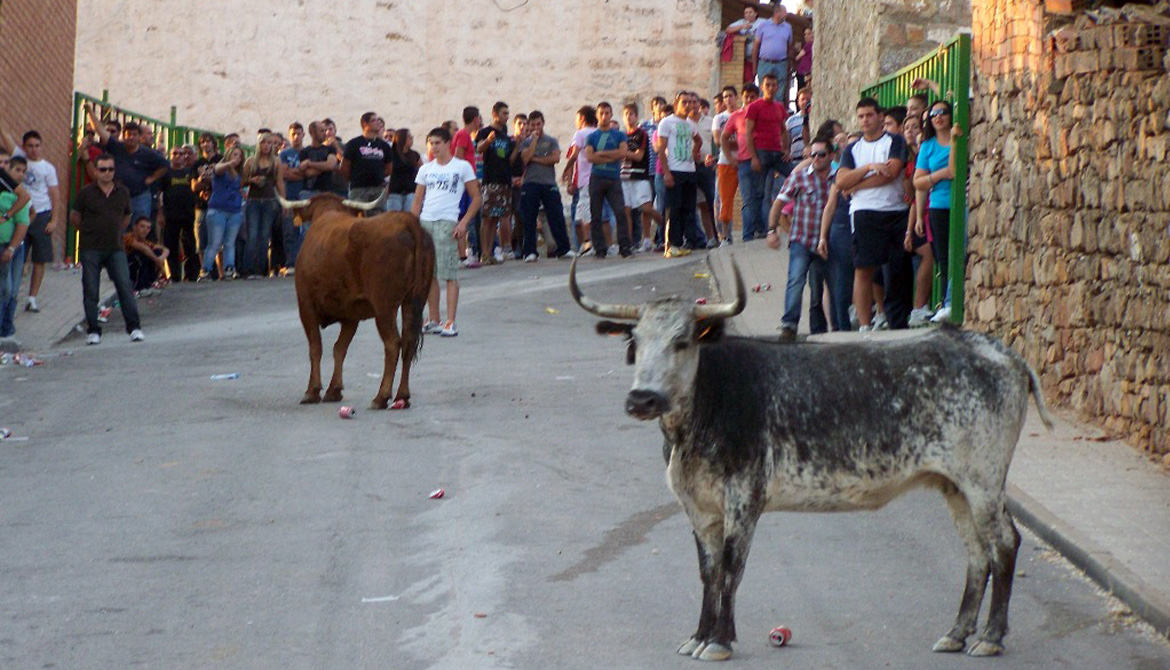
x=239 y=66
x=36 y=66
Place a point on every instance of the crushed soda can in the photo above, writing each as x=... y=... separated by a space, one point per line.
x=755 y=288
x=104 y=314
x=700 y=301
x=5 y=433
x=229 y=375
x=5 y=358
x=346 y=412
x=780 y=636
x=766 y=286
x=436 y=494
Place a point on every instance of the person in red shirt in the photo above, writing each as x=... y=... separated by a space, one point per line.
x=463 y=146
x=734 y=142
x=767 y=141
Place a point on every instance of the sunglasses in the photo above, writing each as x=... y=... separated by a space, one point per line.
x=105 y=169
x=819 y=154
x=939 y=112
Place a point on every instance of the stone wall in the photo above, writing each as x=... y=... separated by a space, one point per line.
x=237 y=66
x=1070 y=202
x=36 y=66
x=859 y=42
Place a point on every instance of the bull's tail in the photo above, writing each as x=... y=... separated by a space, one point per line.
x=1038 y=396
x=424 y=274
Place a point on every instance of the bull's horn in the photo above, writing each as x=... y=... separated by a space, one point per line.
x=728 y=309
x=631 y=312
x=367 y=206
x=291 y=204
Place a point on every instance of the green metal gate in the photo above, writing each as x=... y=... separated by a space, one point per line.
x=167 y=134
x=950 y=68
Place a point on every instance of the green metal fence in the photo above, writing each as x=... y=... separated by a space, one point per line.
x=950 y=68
x=167 y=134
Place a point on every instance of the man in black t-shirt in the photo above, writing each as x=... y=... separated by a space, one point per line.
x=178 y=212
x=367 y=161
x=495 y=147
x=318 y=163
x=637 y=189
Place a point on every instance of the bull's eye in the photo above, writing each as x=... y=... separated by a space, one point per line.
x=681 y=345
x=631 y=351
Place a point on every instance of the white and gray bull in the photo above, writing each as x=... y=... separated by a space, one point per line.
x=754 y=426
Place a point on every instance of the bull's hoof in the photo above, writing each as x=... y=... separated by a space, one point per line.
x=948 y=645
x=379 y=403
x=985 y=648
x=332 y=394
x=311 y=399
x=401 y=403
x=689 y=646
x=713 y=652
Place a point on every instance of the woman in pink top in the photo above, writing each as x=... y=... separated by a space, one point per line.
x=804 y=60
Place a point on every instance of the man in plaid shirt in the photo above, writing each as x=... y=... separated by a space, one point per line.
x=808 y=191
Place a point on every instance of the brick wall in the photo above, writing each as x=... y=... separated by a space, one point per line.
x=36 y=66
x=1070 y=206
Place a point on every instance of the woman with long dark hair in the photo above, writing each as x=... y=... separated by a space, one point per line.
x=406 y=162
x=934 y=174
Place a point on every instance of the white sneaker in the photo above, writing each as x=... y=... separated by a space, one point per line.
x=725 y=243
x=613 y=250
x=531 y=258
x=880 y=322
x=647 y=245
x=499 y=255
x=570 y=255
x=136 y=335
x=942 y=315
x=865 y=329
x=32 y=305
x=431 y=327
x=919 y=317
x=853 y=322
x=448 y=332
x=93 y=338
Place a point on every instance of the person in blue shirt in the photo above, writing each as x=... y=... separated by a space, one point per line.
x=605 y=149
x=934 y=173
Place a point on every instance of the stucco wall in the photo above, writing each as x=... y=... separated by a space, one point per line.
x=231 y=65
x=858 y=42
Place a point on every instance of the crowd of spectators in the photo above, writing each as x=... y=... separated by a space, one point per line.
x=858 y=209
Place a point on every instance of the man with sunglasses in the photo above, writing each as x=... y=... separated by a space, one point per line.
x=178 y=217
x=101 y=214
x=808 y=190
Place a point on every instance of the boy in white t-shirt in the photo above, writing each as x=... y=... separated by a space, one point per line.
x=441 y=184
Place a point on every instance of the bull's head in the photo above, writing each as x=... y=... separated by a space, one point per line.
x=663 y=343
x=307 y=210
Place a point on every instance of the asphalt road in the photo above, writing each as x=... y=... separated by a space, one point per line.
x=157 y=519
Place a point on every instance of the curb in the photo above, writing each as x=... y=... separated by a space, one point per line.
x=1100 y=565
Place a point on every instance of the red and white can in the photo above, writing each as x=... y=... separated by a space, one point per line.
x=780 y=636
x=346 y=412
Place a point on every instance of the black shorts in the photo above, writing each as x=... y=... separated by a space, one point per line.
x=878 y=237
x=40 y=242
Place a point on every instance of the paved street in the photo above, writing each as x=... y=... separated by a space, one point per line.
x=157 y=519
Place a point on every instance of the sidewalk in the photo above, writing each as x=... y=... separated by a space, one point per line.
x=1097 y=501
x=61 y=311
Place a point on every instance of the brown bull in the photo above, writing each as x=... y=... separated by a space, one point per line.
x=350 y=269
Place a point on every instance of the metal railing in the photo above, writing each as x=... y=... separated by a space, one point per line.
x=167 y=134
x=950 y=68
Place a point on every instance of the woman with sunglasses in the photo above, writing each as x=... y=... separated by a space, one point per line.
x=933 y=175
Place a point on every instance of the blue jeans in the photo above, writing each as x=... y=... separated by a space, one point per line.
x=399 y=202
x=10 y=275
x=758 y=188
x=532 y=198
x=840 y=270
x=804 y=264
x=779 y=69
x=140 y=206
x=260 y=216
x=660 y=205
x=92 y=262
x=750 y=210
x=222 y=229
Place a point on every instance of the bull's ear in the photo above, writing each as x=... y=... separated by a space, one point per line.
x=614 y=328
x=709 y=330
